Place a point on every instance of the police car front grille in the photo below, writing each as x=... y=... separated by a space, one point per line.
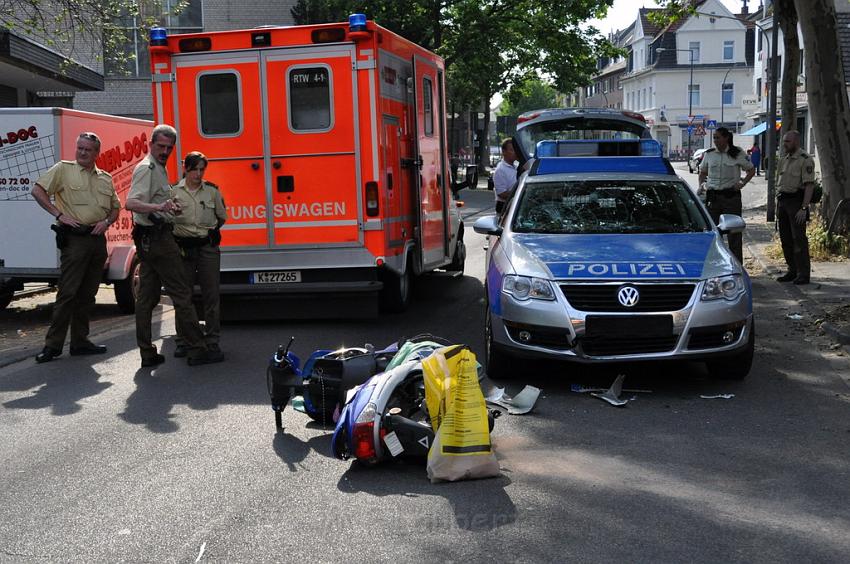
x=615 y=346
x=603 y=297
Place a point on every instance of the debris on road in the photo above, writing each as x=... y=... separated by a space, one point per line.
x=612 y=394
x=579 y=389
x=519 y=404
x=718 y=396
x=794 y=316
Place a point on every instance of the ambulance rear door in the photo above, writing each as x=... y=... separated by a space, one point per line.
x=218 y=111
x=312 y=125
x=432 y=216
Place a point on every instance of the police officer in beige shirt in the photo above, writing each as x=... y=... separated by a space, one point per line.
x=154 y=209
x=197 y=232
x=85 y=205
x=720 y=177
x=794 y=193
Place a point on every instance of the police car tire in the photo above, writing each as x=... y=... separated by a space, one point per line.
x=6 y=297
x=736 y=367
x=395 y=296
x=125 y=290
x=498 y=363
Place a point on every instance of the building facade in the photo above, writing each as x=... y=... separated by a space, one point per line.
x=690 y=76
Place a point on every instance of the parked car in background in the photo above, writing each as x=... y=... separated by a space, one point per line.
x=696 y=160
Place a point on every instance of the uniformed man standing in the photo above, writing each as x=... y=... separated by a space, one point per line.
x=794 y=192
x=720 y=177
x=85 y=205
x=153 y=208
x=196 y=230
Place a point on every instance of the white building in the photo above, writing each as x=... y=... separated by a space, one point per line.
x=701 y=66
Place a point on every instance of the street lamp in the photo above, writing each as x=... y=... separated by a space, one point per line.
x=723 y=99
x=690 y=92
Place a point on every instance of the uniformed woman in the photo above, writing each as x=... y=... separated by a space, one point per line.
x=196 y=230
x=720 y=177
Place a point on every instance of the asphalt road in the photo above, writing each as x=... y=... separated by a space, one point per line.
x=102 y=461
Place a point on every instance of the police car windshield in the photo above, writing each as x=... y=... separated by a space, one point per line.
x=577 y=128
x=607 y=206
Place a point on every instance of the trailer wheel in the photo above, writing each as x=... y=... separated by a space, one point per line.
x=395 y=297
x=127 y=290
x=6 y=295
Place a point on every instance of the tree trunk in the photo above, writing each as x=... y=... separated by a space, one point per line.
x=790 y=66
x=828 y=102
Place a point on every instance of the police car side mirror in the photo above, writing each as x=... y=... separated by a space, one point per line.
x=730 y=223
x=487 y=225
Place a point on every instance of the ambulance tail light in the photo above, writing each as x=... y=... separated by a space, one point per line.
x=195 y=44
x=372 y=207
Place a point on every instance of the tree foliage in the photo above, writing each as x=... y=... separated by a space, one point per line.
x=488 y=46
x=86 y=31
x=530 y=95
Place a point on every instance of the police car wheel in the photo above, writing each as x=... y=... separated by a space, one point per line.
x=735 y=367
x=499 y=364
x=6 y=296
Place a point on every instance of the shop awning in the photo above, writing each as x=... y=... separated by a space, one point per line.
x=760 y=128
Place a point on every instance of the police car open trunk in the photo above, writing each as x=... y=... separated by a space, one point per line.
x=328 y=145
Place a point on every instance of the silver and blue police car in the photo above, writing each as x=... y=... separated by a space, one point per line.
x=605 y=255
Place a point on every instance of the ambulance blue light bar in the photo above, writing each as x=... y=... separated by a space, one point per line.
x=158 y=36
x=601 y=165
x=357 y=22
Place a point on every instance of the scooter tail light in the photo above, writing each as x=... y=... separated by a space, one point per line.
x=363 y=435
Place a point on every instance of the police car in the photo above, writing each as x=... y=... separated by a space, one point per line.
x=605 y=255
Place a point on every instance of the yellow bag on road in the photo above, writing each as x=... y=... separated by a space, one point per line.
x=461 y=448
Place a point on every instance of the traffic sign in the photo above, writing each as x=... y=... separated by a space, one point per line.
x=690 y=129
x=711 y=124
x=691 y=120
x=700 y=131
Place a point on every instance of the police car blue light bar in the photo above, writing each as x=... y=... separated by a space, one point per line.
x=158 y=36
x=598 y=148
x=610 y=165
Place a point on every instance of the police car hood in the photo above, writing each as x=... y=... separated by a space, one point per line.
x=655 y=256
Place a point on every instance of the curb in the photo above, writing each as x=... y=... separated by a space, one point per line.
x=806 y=302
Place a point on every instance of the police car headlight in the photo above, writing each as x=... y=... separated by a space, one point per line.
x=524 y=287
x=723 y=287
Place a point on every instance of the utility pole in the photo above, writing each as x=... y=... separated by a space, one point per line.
x=773 y=72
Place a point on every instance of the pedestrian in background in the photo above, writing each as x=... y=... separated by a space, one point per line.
x=505 y=175
x=84 y=205
x=794 y=190
x=755 y=157
x=197 y=232
x=153 y=208
x=720 y=178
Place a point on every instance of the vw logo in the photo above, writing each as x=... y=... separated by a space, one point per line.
x=628 y=296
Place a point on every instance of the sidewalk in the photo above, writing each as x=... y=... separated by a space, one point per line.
x=826 y=298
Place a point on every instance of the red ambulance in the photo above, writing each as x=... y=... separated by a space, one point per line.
x=329 y=145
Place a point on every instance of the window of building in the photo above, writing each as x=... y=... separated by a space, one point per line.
x=310 y=98
x=693 y=90
x=758 y=89
x=728 y=94
x=136 y=63
x=728 y=50
x=428 y=105
x=693 y=46
x=220 y=104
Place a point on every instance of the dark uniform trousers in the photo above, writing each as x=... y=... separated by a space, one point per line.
x=727 y=201
x=81 y=270
x=203 y=267
x=161 y=266
x=795 y=243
